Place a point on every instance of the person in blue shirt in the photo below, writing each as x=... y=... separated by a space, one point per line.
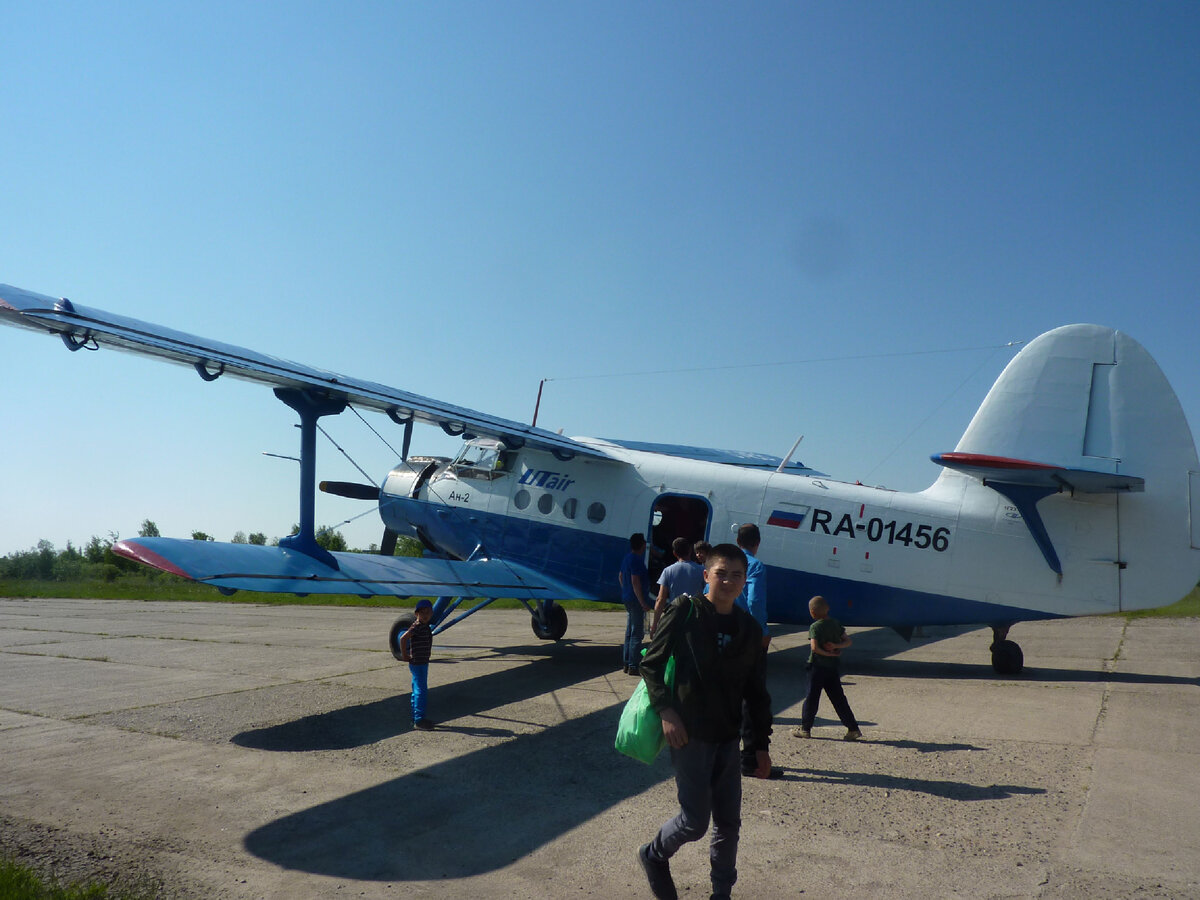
x=634 y=578
x=753 y=599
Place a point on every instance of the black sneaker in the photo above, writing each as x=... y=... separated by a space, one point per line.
x=662 y=885
x=633 y=670
x=423 y=725
x=775 y=773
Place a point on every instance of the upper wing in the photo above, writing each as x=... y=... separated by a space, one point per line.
x=743 y=458
x=250 y=567
x=80 y=326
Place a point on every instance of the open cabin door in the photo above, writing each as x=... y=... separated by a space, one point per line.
x=673 y=516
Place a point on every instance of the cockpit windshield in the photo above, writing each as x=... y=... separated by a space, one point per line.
x=482 y=458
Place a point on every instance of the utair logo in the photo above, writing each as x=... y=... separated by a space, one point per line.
x=551 y=481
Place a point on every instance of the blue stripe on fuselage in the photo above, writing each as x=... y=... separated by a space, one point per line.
x=589 y=561
x=862 y=603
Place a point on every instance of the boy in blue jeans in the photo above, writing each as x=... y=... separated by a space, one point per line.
x=720 y=663
x=416 y=645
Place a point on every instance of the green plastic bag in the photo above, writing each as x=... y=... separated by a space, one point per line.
x=639 y=733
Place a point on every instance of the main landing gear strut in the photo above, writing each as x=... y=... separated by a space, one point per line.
x=1007 y=658
x=549 y=620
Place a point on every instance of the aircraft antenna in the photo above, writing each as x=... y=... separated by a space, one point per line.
x=787 y=459
x=538 y=404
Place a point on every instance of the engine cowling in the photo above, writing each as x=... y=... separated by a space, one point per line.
x=407 y=479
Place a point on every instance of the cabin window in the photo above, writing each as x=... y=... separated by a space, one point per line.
x=546 y=504
x=521 y=499
x=596 y=513
x=570 y=507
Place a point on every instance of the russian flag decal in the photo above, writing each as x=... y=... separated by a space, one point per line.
x=785 y=519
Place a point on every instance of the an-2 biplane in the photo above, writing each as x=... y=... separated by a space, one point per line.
x=1074 y=491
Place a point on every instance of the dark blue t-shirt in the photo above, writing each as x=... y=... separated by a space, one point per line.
x=632 y=565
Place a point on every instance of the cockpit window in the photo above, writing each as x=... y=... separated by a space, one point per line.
x=483 y=458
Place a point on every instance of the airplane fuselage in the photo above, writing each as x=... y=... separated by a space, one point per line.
x=957 y=552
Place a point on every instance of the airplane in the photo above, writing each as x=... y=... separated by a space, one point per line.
x=1074 y=491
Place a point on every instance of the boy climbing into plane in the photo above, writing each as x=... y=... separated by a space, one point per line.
x=827 y=639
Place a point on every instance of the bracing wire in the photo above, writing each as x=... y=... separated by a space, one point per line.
x=376 y=433
x=791 y=362
x=944 y=401
x=354 y=518
x=344 y=453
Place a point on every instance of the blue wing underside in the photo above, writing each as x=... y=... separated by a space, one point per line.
x=250 y=567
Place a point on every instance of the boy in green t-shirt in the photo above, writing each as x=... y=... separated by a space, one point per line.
x=827 y=638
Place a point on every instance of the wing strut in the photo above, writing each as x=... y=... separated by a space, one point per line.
x=310 y=406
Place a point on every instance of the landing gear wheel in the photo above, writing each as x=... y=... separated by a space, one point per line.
x=400 y=626
x=1007 y=658
x=554 y=626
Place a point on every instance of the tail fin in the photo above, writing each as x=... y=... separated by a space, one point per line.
x=1086 y=409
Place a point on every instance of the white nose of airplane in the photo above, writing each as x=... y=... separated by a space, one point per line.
x=407 y=479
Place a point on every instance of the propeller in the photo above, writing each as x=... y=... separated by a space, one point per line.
x=356 y=491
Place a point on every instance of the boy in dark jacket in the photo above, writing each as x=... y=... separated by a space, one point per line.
x=720 y=661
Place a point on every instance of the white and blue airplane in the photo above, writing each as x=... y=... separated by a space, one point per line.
x=1074 y=491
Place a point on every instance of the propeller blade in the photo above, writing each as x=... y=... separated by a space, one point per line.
x=351 y=489
x=387 y=546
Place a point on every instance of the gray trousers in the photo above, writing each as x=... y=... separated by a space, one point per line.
x=709 y=781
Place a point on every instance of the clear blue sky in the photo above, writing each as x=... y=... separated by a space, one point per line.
x=460 y=199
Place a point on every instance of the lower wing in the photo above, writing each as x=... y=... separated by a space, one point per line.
x=251 y=567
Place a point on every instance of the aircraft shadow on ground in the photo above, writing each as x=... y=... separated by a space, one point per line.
x=368 y=723
x=471 y=814
x=485 y=809
x=949 y=790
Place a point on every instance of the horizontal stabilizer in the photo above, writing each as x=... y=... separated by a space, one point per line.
x=1025 y=482
x=1035 y=474
x=251 y=567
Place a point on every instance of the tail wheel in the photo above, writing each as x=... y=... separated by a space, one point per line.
x=400 y=626
x=554 y=624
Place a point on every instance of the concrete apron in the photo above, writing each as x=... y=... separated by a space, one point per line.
x=265 y=752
